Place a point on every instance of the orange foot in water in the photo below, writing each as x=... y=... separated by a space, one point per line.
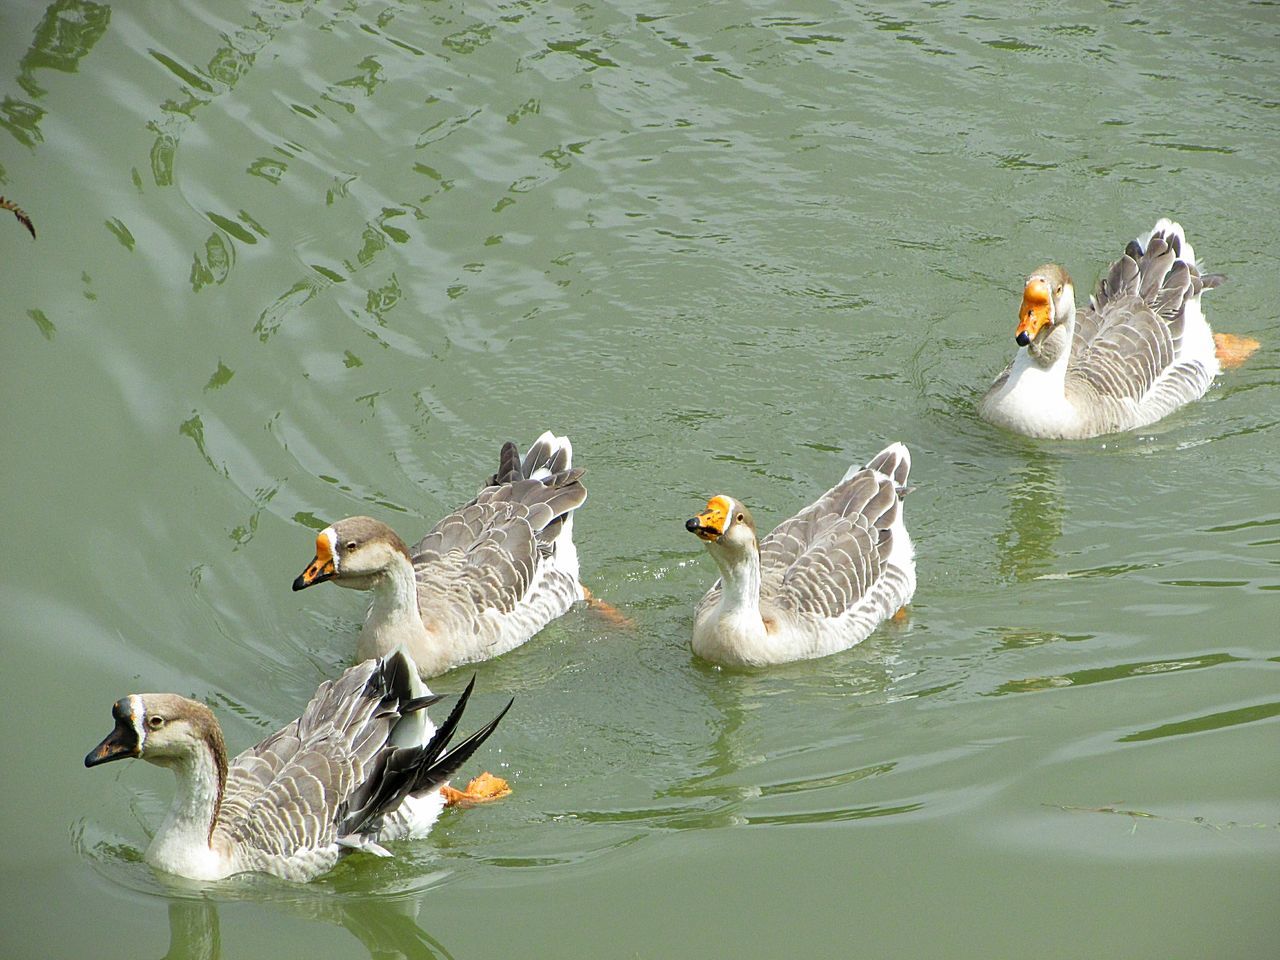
x=481 y=789
x=1233 y=350
x=606 y=609
x=902 y=616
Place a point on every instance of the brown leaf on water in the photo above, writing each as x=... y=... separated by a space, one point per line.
x=20 y=214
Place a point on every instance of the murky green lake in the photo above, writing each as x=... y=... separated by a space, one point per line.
x=297 y=261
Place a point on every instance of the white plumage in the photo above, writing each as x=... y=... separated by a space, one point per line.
x=362 y=765
x=820 y=582
x=1139 y=350
x=486 y=578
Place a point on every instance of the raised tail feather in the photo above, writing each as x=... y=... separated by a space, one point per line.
x=400 y=772
x=893 y=461
x=1160 y=269
x=547 y=456
x=544 y=477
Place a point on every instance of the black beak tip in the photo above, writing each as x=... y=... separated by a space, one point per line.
x=691 y=524
x=98 y=756
x=1023 y=338
x=299 y=583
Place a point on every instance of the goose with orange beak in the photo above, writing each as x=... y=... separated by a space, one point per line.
x=486 y=578
x=819 y=583
x=1140 y=349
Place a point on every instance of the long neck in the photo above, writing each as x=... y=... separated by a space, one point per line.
x=1043 y=362
x=394 y=619
x=187 y=831
x=740 y=589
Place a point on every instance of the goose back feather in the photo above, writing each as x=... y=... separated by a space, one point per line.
x=486 y=578
x=1139 y=349
x=828 y=575
x=360 y=766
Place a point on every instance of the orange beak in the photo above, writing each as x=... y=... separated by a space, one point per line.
x=321 y=568
x=1035 y=313
x=710 y=524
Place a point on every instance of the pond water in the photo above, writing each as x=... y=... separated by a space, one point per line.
x=297 y=261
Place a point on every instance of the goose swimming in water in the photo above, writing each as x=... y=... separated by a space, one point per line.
x=486 y=578
x=1138 y=351
x=819 y=583
x=362 y=765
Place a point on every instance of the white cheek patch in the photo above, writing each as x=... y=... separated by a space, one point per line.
x=331 y=537
x=138 y=714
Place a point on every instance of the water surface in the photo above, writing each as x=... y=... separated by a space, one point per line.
x=302 y=260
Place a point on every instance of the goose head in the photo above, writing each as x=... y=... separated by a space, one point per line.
x=726 y=527
x=354 y=553
x=1048 y=299
x=161 y=728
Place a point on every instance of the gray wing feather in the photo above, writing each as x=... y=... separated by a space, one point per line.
x=823 y=560
x=1131 y=331
x=508 y=466
x=282 y=795
x=292 y=793
x=485 y=554
x=546 y=454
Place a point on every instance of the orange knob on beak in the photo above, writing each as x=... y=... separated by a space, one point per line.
x=712 y=522
x=1036 y=311
x=320 y=569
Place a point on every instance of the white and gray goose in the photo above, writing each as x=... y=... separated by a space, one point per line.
x=820 y=582
x=486 y=578
x=1140 y=349
x=362 y=765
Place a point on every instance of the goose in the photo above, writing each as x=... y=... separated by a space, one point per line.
x=362 y=765
x=819 y=583
x=1138 y=351
x=486 y=578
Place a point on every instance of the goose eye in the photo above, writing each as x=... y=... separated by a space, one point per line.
x=351 y=544
x=739 y=518
x=155 y=723
x=1059 y=290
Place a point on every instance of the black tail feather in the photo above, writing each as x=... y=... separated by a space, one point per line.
x=418 y=703
x=399 y=772
x=434 y=776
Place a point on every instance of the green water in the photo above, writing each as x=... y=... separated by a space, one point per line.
x=303 y=260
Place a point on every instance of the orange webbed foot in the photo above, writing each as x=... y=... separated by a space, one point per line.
x=1233 y=350
x=482 y=789
x=606 y=609
x=902 y=616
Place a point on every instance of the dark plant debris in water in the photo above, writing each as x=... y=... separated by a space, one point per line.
x=20 y=214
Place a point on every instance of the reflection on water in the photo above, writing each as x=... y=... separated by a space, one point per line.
x=1034 y=520
x=384 y=920
x=64 y=36
x=1209 y=721
x=1119 y=671
x=194 y=933
x=754 y=737
x=387 y=927
x=1016 y=639
x=230 y=61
